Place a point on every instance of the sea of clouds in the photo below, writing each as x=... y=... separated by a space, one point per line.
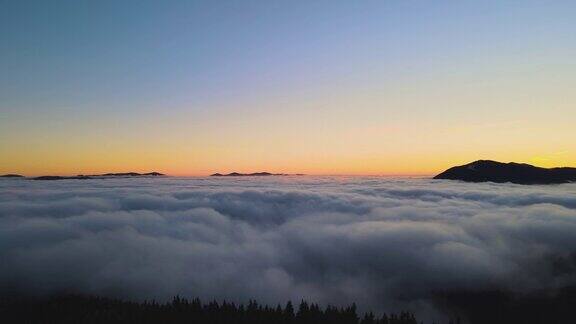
x=384 y=243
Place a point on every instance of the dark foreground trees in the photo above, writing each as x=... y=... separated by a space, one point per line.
x=80 y=309
x=471 y=307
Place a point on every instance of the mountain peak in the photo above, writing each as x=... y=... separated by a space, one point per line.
x=521 y=173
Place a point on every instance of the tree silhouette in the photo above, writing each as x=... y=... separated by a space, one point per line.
x=91 y=310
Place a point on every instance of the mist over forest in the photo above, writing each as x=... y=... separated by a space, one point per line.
x=386 y=244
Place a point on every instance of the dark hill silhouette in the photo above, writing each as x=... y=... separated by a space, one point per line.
x=129 y=174
x=11 y=176
x=154 y=174
x=80 y=177
x=255 y=174
x=101 y=176
x=486 y=170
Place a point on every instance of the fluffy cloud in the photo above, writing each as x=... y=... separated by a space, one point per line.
x=387 y=244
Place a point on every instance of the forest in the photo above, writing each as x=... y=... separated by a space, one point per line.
x=463 y=308
x=87 y=309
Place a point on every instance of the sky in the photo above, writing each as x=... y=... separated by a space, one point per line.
x=316 y=87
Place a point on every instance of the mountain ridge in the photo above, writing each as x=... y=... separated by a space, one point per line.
x=499 y=172
x=254 y=174
x=100 y=176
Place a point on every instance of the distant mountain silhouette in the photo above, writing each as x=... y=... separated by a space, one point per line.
x=79 y=177
x=486 y=170
x=11 y=176
x=100 y=176
x=129 y=174
x=255 y=174
x=154 y=174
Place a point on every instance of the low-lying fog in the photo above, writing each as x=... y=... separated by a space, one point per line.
x=386 y=244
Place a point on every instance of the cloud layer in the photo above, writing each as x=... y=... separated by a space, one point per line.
x=386 y=244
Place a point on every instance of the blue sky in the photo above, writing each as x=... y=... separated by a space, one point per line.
x=98 y=71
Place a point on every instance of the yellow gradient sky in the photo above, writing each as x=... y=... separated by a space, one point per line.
x=378 y=88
